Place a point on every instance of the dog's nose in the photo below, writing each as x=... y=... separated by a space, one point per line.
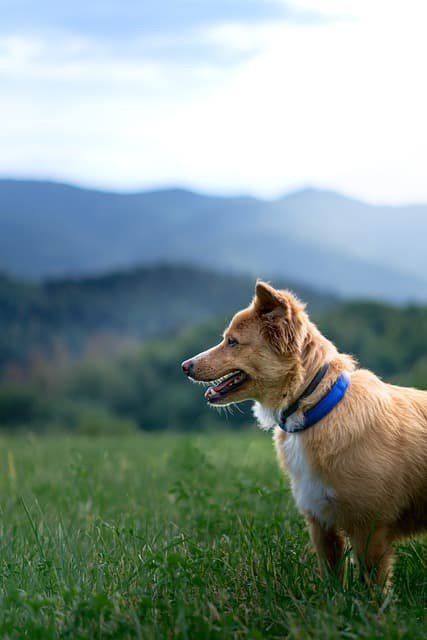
x=187 y=367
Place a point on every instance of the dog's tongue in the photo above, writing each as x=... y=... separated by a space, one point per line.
x=211 y=393
x=219 y=387
x=218 y=390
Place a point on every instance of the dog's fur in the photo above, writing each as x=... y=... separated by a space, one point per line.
x=360 y=472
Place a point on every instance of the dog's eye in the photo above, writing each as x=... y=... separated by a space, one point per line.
x=231 y=342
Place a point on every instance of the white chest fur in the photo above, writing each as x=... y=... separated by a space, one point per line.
x=265 y=417
x=310 y=493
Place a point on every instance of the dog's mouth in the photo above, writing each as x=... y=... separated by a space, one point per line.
x=225 y=385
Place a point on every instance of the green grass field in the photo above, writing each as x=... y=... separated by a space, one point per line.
x=175 y=536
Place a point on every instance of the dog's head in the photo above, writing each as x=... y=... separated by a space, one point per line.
x=260 y=348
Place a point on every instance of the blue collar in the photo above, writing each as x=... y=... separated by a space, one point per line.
x=321 y=409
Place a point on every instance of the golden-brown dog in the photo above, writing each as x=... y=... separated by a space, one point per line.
x=358 y=472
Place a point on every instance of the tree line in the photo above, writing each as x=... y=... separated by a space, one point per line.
x=145 y=389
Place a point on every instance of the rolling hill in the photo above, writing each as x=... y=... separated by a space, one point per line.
x=88 y=353
x=320 y=239
x=109 y=313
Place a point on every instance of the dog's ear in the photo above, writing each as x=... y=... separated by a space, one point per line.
x=281 y=315
x=266 y=298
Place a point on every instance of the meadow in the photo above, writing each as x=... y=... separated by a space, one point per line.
x=175 y=536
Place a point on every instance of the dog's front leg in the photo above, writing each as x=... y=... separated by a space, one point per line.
x=329 y=545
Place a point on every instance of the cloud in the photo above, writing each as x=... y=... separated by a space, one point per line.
x=104 y=39
x=181 y=31
x=245 y=104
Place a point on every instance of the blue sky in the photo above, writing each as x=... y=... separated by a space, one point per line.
x=256 y=96
x=107 y=19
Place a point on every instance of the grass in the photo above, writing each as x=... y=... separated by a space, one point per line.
x=175 y=536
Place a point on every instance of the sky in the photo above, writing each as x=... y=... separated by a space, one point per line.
x=223 y=96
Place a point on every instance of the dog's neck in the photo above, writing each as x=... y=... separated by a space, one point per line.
x=308 y=391
x=315 y=351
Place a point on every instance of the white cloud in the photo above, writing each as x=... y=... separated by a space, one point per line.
x=338 y=104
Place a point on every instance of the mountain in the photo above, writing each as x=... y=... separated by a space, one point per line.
x=321 y=239
x=109 y=313
x=393 y=236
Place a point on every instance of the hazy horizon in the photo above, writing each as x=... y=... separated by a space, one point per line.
x=89 y=186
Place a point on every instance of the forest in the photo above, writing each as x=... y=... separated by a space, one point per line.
x=103 y=355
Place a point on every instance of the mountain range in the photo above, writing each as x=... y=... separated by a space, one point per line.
x=318 y=238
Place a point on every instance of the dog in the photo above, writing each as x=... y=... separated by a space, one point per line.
x=355 y=447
